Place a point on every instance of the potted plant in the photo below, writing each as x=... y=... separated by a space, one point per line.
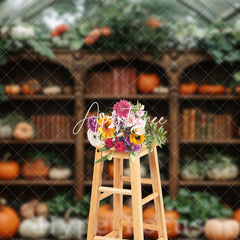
x=221 y=166
x=192 y=169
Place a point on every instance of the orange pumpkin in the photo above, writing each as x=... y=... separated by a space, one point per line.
x=171 y=217
x=237 y=89
x=35 y=169
x=127 y=216
x=30 y=87
x=9 y=169
x=187 y=88
x=236 y=216
x=23 y=131
x=228 y=90
x=12 y=89
x=146 y=82
x=105 y=220
x=211 y=89
x=9 y=221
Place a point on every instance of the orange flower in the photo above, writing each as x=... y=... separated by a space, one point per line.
x=104 y=129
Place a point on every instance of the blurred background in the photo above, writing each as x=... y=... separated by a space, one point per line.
x=178 y=58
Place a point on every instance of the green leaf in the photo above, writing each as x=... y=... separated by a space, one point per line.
x=106 y=157
x=41 y=47
x=84 y=29
x=104 y=148
x=75 y=44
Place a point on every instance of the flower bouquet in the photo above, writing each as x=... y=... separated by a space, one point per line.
x=127 y=129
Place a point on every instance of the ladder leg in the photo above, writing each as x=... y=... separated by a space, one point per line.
x=117 y=198
x=158 y=202
x=136 y=199
x=94 y=207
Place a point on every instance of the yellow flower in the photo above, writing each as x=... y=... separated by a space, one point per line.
x=104 y=129
x=137 y=139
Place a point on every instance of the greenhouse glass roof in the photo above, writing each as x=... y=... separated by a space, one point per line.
x=48 y=11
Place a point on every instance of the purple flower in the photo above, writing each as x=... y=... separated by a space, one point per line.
x=136 y=148
x=127 y=140
x=92 y=124
x=126 y=148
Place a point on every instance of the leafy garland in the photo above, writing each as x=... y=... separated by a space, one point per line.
x=132 y=29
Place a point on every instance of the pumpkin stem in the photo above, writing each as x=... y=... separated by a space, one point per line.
x=67 y=215
x=6 y=156
x=3 y=202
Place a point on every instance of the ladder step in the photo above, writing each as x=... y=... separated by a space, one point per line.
x=115 y=190
x=149 y=198
x=145 y=226
x=107 y=238
x=105 y=195
x=143 y=180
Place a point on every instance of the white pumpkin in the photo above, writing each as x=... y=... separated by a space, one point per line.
x=221 y=229
x=5 y=131
x=52 y=90
x=37 y=227
x=73 y=228
x=228 y=173
x=60 y=173
x=143 y=171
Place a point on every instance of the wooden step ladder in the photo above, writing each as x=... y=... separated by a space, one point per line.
x=100 y=192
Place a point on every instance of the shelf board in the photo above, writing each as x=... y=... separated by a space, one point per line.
x=41 y=97
x=209 y=183
x=110 y=183
x=132 y=96
x=38 y=141
x=36 y=182
x=209 y=97
x=202 y=141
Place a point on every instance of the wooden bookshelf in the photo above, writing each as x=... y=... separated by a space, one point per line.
x=36 y=182
x=130 y=97
x=41 y=97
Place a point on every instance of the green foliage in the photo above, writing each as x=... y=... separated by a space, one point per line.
x=48 y=156
x=197 y=207
x=216 y=159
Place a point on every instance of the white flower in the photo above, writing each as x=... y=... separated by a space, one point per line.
x=20 y=32
x=94 y=138
x=138 y=129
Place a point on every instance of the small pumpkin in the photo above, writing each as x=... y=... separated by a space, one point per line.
x=229 y=172
x=228 y=90
x=35 y=169
x=60 y=173
x=5 y=131
x=9 y=169
x=23 y=131
x=105 y=220
x=237 y=89
x=211 y=89
x=12 y=89
x=187 y=88
x=9 y=221
x=110 y=170
x=30 y=87
x=52 y=90
x=37 y=227
x=68 y=228
x=147 y=82
x=172 y=224
x=236 y=216
x=221 y=229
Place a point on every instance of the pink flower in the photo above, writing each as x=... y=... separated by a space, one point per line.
x=140 y=122
x=130 y=120
x=122 y=108
x=140 y=113
x=109 y=143
x=120 y=147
